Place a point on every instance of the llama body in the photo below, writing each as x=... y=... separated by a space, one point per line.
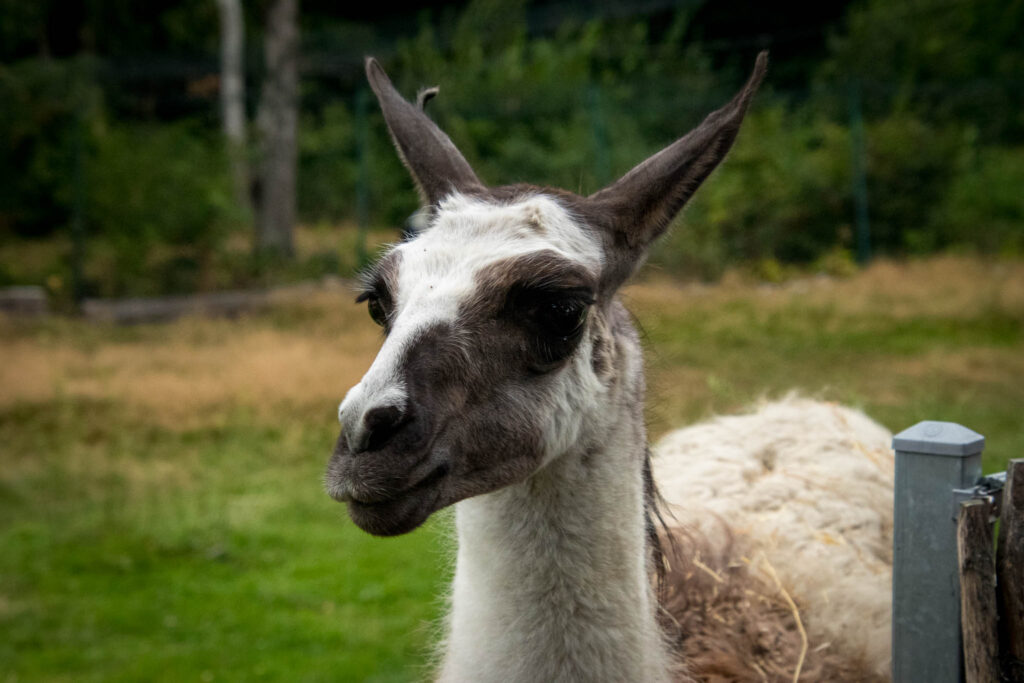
x=510 y=384
x=808 y=486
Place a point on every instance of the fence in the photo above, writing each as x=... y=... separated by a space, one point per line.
x=958 y=603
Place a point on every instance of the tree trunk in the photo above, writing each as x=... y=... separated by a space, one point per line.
x=278 y=124
x=232 y=97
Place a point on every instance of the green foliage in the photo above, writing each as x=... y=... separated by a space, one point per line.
x=23 y=26
x=782 y=195
x=911 y=165
x=160 y=198
x=984 y=207
x=343 y=152
x=328 y=163
x=785 y=195
x=949 y=62
x=573 y=107
x=49 y=111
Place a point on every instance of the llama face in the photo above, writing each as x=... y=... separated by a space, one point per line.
x=486 y=371
x=499 y=349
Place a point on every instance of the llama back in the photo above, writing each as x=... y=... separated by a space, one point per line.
x=801 y=489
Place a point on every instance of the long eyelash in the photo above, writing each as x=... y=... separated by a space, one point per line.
x=370 y=282
x=552 y=290
x=370 y=285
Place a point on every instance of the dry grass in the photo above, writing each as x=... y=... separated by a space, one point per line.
x=193 y=370
x=885 y=337
x=948 y=286
x=305 y=355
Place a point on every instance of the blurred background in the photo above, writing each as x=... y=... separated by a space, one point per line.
x=161 y=511
x=168 y=147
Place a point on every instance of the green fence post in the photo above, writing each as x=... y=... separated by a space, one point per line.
x=363 y=178
x=860 y=175
x=599 y=135
x=79 y=201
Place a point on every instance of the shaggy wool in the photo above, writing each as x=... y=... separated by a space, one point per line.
x=794 y=499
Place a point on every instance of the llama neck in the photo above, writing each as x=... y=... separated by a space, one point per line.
x=551 y=579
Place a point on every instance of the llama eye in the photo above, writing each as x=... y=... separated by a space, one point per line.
x=561 y=317
x=376 y=306
x=556 y=315
x=377 y=312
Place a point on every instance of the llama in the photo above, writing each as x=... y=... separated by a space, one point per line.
x=510 y=385
x=807 y=486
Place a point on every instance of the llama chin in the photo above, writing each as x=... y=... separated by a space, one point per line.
x=510 y=384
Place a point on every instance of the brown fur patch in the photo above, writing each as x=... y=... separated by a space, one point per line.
x=729 y=621
x=541 y=270
x=601 y=356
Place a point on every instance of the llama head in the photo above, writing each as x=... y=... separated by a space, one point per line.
x=499 y=351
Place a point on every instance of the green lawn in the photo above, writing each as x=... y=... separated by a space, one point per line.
x=161 y=508
x=237 y=567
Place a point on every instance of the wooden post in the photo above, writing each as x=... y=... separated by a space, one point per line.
x=1010 y=566
x=978 y=616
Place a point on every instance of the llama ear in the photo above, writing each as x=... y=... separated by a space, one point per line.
x=436 y=166
x=638 y=207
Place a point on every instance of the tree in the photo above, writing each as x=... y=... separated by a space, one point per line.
x=232 y=96
x=278 y=125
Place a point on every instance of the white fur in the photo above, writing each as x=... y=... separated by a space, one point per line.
x=811 y=484
x=438 y=271
x=551 y=580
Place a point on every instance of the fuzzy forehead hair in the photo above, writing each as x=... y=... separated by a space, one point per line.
x=473 y=247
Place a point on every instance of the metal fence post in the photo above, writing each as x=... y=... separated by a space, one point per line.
x=363 y=179
x=859 y=170
x=932 y=460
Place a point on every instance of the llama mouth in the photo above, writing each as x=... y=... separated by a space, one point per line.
x=402 y=512
x=380 y=477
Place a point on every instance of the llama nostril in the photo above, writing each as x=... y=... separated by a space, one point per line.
x=379 y=425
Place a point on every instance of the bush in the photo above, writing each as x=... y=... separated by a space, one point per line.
x=910 y=167
x=50 y=110
x=328 y=164
x=573 y=109
x=160 y=199
x=783 y=195
x=984 y=208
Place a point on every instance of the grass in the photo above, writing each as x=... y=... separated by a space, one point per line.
x=161 y=511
